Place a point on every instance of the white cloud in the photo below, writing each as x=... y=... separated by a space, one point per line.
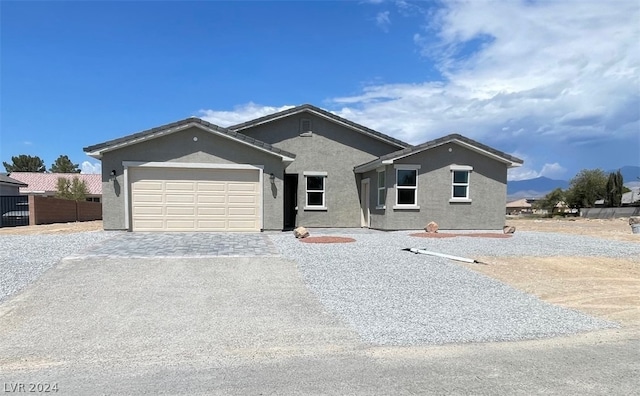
x=27 y=143
x=517 y=71
x=239 y=114
x=91 y=168
x=383 y=21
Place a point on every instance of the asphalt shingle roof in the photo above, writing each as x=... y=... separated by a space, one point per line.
x=437 y=142
x=311 y=108
x=191 y=120
x=5 y=179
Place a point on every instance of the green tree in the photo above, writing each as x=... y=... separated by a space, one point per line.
x=25 y=163
x=550 y=200
x=615 y=189
x=588 y=186
x=74 y=189
x=64 y=165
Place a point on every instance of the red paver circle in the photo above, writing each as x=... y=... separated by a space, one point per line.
x=327 y=239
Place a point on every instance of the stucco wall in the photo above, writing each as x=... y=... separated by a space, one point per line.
x=331 y=148
x=181 y=147
x=487 y=191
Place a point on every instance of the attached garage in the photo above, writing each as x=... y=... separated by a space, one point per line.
x=195 y=199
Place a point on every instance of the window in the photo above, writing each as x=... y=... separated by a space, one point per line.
x=382 y=188
x=407 y=187
x=460 y=182
x=315 y=190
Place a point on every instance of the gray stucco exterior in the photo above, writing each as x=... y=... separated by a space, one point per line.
x=306 y=142
x=180 y=147
x=487 y=192
x=331 y=148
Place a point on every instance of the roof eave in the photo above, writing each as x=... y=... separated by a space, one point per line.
x=99 y=152
x=287 y=113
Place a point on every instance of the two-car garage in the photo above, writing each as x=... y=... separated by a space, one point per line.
x=195 y=199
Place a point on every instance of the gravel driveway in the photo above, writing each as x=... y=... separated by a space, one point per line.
x=390 y=297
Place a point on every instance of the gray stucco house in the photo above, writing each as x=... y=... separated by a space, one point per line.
x=10 y=186
x=302 y=166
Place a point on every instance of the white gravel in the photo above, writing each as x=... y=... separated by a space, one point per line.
x=393 y=297
x=24 y=258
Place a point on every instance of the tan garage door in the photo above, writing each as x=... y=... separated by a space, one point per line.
x=177 y=199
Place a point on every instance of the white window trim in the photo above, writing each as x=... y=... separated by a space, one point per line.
x=395 y=186
x=383 y=188
x=463 y=168
x=323 y=191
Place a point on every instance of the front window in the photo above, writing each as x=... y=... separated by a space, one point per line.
x=315 y=191
x=382 y=188
x=406 y=187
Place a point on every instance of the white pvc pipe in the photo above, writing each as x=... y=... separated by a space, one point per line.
x=463 y=259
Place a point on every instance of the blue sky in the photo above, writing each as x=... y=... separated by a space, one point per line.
x=554 y=83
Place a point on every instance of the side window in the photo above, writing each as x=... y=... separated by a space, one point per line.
x=460 y=186
x=382 y=188
x=406 y=187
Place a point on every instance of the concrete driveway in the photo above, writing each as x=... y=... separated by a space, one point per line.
x=105 y=324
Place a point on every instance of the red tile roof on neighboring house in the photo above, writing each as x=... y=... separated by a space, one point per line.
x=48 y=182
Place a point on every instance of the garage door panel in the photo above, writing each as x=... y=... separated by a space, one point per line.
x=242 y=211
x=148 y=224
x=211 y=199
x=145 y=185
x=140 y=210
x=195 y=199
x=180 y=210
x=211 y=211
x=180 y=198
x=180 y=186
x=210 y=186
x=248 y=187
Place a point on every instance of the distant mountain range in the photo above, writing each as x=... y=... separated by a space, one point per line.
x=541 y=186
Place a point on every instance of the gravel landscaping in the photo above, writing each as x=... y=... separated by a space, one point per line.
x=390 y=296
x=24 y=258
x=393 y=297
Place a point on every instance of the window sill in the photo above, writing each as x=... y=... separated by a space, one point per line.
x=460 y=200
x=381 y=207
x=406 y=207
x=320 y=208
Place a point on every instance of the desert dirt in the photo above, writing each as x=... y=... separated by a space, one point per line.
x=604 y=287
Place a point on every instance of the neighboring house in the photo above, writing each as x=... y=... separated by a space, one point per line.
x=10 y=186
x=302 y=166
x=632 y=197
x=519 y=207
x=46 y=184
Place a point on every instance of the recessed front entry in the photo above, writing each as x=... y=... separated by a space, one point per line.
x=194 y=199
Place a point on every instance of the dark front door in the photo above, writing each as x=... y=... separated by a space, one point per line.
x=290 y=200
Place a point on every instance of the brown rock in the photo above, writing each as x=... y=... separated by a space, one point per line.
x=634 y=220
x=509 y=229
x=432 y=227
x=301 y=232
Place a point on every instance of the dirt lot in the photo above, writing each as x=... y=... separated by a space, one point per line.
x=605 y=287
x=601 y=286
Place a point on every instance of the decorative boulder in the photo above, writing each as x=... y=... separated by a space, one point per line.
x=301 y=232
x=509 y=229
x=634 y=220
x=432 y=227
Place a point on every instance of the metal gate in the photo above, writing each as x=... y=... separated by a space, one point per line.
x=14 y=211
